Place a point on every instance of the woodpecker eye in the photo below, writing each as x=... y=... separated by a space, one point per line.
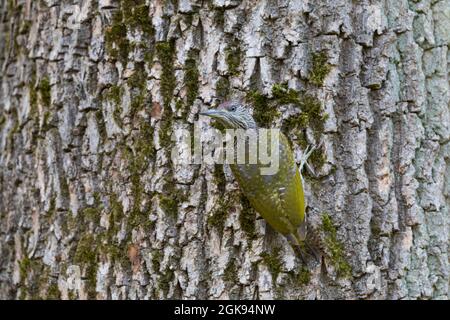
x=233 y=108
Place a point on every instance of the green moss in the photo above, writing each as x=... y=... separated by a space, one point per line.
x=219 y=177
x=318 y=158
x=218 y=126
x=34 y=96
x=170 y=199
x=304 y=276
x=143 y=144
x=264 y=112
x=273 y=262
x=296 y=125
x=375 y=230
x=217 y=219
x=25 y=27
x=137 y=82
x=165 y=52
x=84 y=251
x=157 y=257
x=70 y=222
x=46 y=123
x=22 y=294
x=53 y=292
x=169 y=205
x=11 y=7
x=138 y=156
x=33 y=101
x=72 y=295
x=188 y=18
x=40 y=94
x=139 y=77
x=219 y=214
x=233 y=59
x=138 y=102
x=247 y=218
x=139 y=218
x=327 y=224
x=86 y=256
x=64 y=187
x=136 y=15
x=219 y=17
x=44 y=90
x=52 y=207
x=141 y=151
x=171 y=196
x=283 y=95
x=320 y=68
x=33 y=277
x=191 y=76
x=148 y=57
x=138 y=94
x=334 y=247
x=164 y=280
x=179 y=104
x=118 y=252
x=165 y=130
x=138 y=162
x=223 y=88
x=92 y=214
x=115 y=94
x=117 y=44
x=115 y=217
x=132 y=15
x=135 y=178
x=311 y=109
x=7 y=38
x=230 y=272
x=136 y=215
x=24 y=266
x=101 y=125
x=2 y=120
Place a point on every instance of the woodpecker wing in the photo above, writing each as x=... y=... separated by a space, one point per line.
x=278 y=198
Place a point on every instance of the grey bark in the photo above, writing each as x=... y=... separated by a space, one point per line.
x=92 y=207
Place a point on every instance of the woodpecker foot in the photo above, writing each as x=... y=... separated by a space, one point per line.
x=304 y=159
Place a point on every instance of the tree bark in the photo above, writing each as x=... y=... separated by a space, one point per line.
x=93 y=207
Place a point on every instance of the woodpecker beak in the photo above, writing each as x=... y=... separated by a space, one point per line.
x=213 y=113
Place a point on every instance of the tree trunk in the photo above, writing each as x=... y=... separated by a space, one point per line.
x=93 y=207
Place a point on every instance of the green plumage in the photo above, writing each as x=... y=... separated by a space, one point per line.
x=278 y=198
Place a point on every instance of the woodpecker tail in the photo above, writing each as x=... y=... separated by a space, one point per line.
x=306 y=252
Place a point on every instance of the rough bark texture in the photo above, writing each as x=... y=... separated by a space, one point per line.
x=91 y=205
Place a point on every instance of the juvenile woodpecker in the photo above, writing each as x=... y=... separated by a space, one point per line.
x=278 y=198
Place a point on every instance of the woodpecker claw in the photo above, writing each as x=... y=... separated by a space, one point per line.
x=304 y=160
x=311 y=170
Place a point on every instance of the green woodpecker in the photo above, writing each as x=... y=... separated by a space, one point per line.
x=278 y=198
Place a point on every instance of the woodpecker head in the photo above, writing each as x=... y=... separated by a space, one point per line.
x=233 y=115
